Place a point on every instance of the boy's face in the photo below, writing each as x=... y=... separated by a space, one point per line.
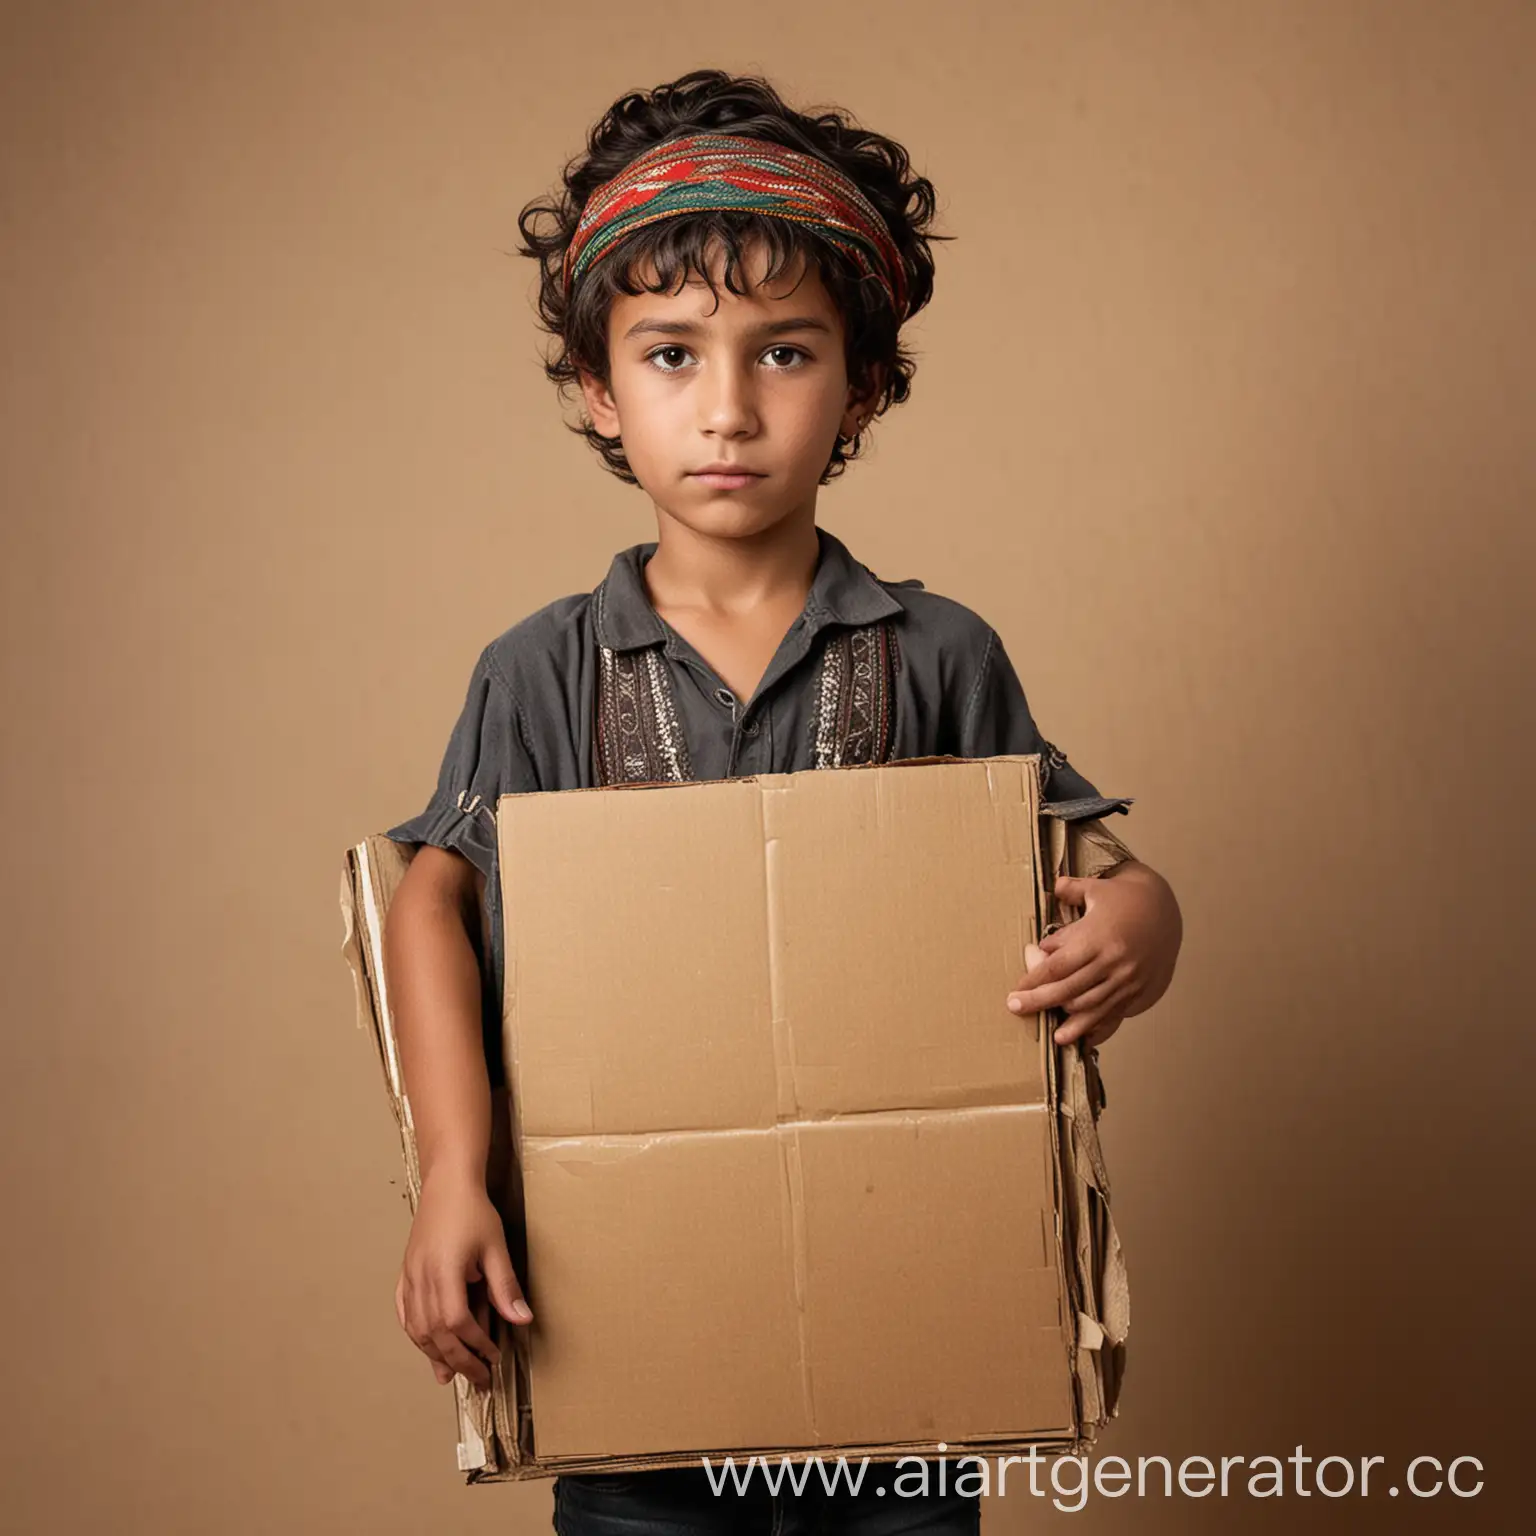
x=756 y=381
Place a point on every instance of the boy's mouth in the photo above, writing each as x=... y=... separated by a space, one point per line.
x=725 y=477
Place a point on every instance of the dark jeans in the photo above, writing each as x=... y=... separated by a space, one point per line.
x=678 y=1501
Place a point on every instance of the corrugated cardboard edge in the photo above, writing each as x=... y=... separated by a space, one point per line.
x=495 y=1441
x=1096 y=1280
x=369 y=879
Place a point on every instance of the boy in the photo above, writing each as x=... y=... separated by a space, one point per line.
x=726 y=279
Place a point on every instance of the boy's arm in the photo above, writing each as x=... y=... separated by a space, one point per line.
x=456 y=1240
x=433 y=976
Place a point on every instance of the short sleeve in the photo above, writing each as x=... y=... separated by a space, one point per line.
x=997 y=723
x=485 y=759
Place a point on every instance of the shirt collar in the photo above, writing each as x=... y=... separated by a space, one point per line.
x=843 y=591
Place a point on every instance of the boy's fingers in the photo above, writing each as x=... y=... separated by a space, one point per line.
x=422 y=1339
x=1074 y=1028
x=1043 y=969
x=1040 y=995
x=1094 y=1008
x=501 y=1284
x=480 y=1339
x=1042 y=976
x=1097 y=1037
x=1086 y=1032
x=464 y=1361
x=445 y=1330
x=448 y=1320
x=459 y=1325
x=460 y=1342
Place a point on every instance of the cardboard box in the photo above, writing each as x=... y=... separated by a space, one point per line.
x=782 y=1173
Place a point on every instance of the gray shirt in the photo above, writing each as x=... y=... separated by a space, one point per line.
x=527 y=720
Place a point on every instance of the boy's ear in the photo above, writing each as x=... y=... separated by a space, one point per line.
x=862 y=395
x=600 y=403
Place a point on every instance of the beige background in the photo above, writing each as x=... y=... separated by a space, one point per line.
x=1234 y=352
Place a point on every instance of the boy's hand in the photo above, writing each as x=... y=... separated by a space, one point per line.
x=456 y=1244
x=1110 y=964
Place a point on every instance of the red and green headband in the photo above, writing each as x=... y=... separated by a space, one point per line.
x=706 y=172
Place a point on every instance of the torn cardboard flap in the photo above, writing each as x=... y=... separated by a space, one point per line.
x=795 y=1180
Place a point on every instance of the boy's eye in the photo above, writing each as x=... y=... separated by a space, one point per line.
x=794 y=352
x=661 y=352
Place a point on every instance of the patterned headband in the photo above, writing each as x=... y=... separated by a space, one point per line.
x=714 y=171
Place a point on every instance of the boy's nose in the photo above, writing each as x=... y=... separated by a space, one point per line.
x=730 y=404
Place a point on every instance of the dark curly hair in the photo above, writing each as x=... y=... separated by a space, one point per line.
x=712 y=101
